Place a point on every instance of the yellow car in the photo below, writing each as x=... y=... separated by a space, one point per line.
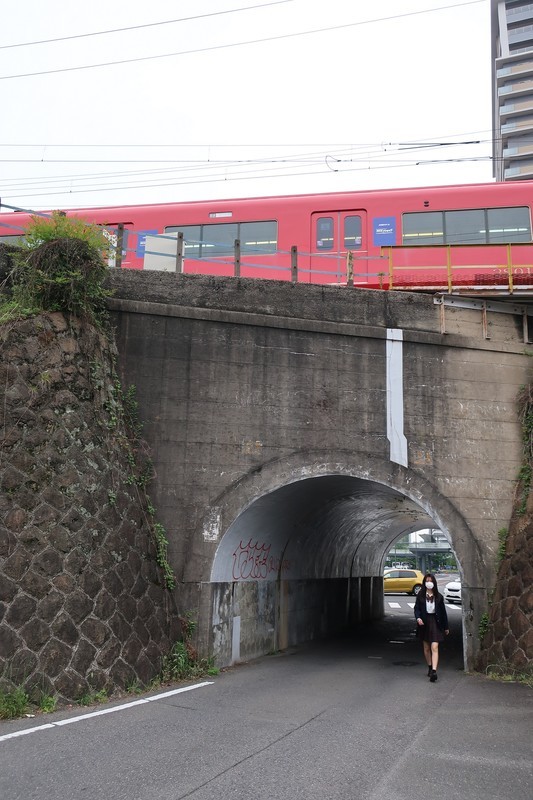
x=402 y=580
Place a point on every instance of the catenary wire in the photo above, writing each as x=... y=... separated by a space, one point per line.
x=212 y=48
x=146 y=25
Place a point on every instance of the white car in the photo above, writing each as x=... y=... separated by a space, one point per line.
x=452 y=592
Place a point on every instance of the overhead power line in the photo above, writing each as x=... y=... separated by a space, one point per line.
x=224 y=178
x=213 y=48
x=147 y=25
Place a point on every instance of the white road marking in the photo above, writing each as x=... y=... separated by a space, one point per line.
x=103 y=711
x=394 y=605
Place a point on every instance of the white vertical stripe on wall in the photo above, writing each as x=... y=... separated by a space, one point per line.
x=395 y=399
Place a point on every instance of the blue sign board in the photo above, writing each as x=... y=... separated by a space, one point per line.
x=384 y=229
x=141 y=241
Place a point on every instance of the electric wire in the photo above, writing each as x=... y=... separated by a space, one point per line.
x=146 y=25
x=213 y=48
x=339 y=156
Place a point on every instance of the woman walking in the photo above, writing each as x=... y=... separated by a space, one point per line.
x=432 y=622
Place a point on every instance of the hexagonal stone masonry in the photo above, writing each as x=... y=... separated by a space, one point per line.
x=81 y=594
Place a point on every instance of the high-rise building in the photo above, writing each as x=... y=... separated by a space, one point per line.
x=512 y=81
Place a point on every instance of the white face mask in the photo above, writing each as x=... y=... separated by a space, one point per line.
x=429 y=584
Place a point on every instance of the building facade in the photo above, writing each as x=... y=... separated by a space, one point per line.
x=512 y=80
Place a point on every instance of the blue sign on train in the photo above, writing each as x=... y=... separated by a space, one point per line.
x=384 y=231
x=141 y=241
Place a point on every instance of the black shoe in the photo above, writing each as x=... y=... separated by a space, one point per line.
x=429 y=671
x=433 y=676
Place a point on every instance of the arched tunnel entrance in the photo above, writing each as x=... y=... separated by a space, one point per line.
x=305 y=561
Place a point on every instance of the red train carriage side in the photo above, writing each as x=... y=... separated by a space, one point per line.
x=433 y=238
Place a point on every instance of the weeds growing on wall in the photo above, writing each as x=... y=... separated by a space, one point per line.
x=182 y=662
x=525 y=415
x=483 y=626
x=61 y=266
x=121 y=413
x=13 y=704
x=502 y=546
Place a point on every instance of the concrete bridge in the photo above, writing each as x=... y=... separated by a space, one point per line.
x=297 y=431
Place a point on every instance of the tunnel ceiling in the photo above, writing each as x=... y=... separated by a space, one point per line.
x=328 y=527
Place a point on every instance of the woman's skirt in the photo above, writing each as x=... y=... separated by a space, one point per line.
x=431 y=631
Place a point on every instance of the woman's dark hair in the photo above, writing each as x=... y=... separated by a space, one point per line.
x=429 y=577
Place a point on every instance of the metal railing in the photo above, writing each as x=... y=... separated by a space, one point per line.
x=452 y=267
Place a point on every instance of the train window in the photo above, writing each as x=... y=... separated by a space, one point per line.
x=192 y=235
x=352 y=233
x=509 y=225
x=258 y=237
x=203 y=241
x=423 y=228
x=219 y=240
x=324 y=233
x=14 y=240
x=472 y=226
x=465 y=227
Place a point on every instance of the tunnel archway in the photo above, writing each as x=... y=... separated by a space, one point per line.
x=304 y=559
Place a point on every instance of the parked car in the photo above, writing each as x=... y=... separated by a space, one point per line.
x=402 y=580
x=452 y=592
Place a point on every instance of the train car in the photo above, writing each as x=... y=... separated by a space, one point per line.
x=437 y=238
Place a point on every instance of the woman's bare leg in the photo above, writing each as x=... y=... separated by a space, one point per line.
x=427 y=653
x=434 y=655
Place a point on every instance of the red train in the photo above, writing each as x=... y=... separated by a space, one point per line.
x=439 y=238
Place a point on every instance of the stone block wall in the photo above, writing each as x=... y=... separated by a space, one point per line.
x=83 y=606
x=508 y=641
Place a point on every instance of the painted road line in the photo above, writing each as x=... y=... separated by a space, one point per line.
x=394 y=605
x=103 y=711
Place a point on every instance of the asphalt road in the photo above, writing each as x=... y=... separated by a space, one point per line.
x=351 y=719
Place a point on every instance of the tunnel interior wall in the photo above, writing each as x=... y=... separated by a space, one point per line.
x=254 y=618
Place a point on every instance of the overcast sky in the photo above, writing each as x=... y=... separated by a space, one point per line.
x=286 y=97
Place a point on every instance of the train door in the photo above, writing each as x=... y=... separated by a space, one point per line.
x=333 y=235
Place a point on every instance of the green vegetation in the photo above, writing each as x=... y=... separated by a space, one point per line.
x=47 y=704
x=61 y=266
x=11 y=310
x=121 y=414
x=483 y=625
x=182 y=663
x=161 y=543
x=502 y=538
x=525 y=414
x=504 y=673
x=91 y=698
x=13 y=704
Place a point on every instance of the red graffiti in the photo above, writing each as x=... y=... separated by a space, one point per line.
x=253 y=560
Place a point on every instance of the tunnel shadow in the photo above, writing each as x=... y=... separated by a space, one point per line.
x=393 y=639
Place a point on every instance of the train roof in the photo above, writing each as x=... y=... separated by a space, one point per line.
x=501 y=186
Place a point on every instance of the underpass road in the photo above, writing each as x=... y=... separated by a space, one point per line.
x=355 y=718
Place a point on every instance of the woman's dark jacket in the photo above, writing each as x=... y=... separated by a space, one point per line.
x=441 y=616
